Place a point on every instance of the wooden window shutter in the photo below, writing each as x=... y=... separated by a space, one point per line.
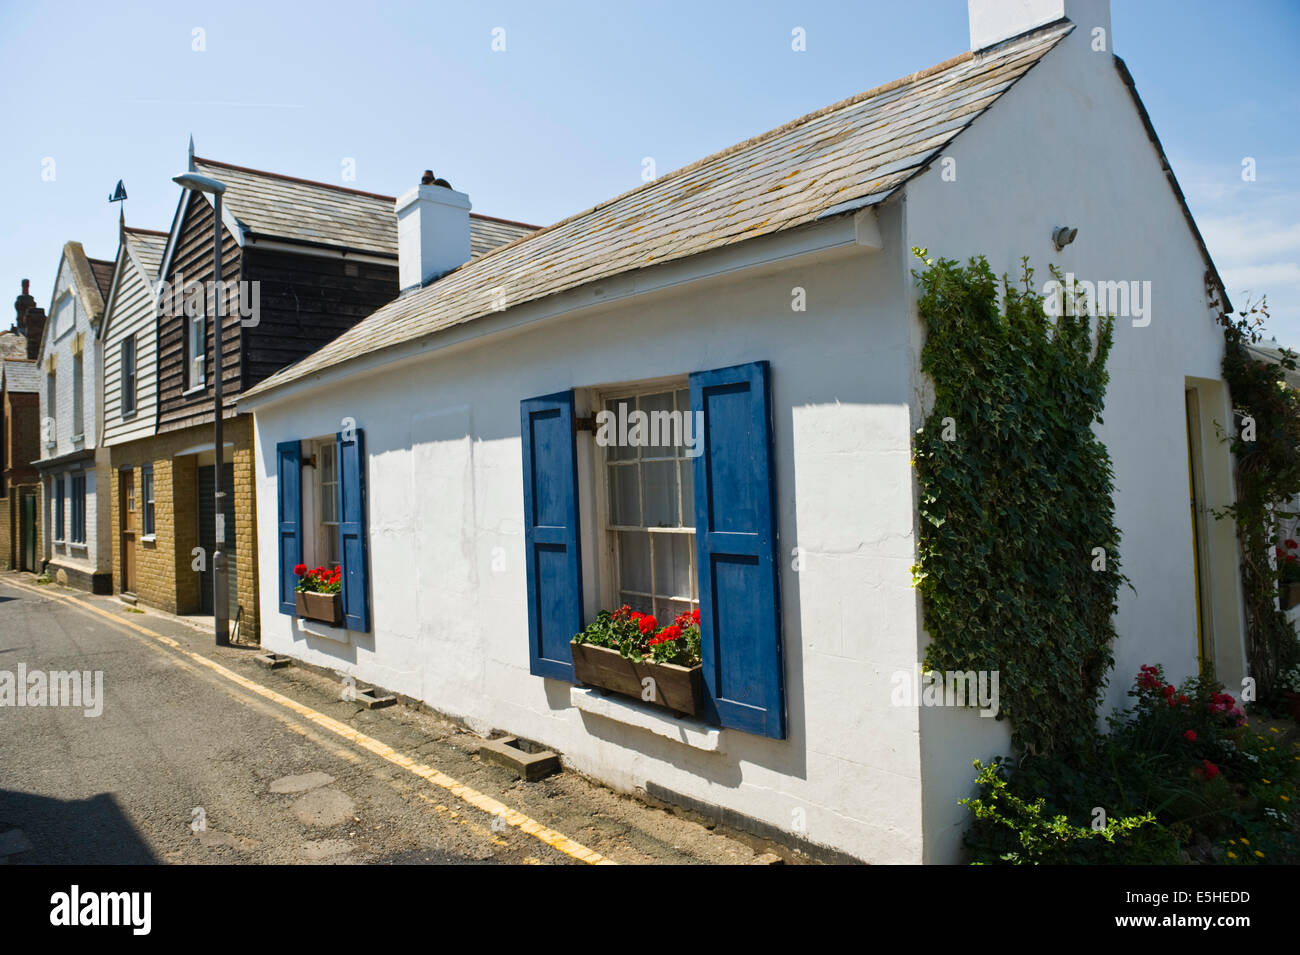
x=289 y=480
x=551 y=533
x=354 y=545
x=736 y=539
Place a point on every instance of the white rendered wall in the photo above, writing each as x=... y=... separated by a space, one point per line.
x=442 y=434
x=1066 y=146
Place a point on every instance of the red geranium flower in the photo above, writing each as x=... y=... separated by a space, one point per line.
x=647 y=624
x=1208 y=769
x=695 y=615
x=1190 y=736
x=1291 y=543
x=1169 y=690
x=300 y=569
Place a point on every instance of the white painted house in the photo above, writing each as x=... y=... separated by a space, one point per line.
x=481 y=524
x=73 y=466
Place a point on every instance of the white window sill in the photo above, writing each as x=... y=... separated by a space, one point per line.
x=620 y=709
x=78 y=438
x=317 y=629
x=81 y=547
x=193 y=391
x=149 y=539
x=128 y=416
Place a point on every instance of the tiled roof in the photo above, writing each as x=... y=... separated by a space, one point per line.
x=21 y=376
x=269 y=204
x=852 y=154
x=147 y=246
x=103 y=272
x=13 y=345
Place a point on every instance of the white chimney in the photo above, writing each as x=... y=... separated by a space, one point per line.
x=432 y=232
x=992 y=21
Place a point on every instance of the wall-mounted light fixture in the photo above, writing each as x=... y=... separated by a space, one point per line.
x=1063 y=236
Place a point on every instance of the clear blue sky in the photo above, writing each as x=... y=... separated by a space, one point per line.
x=563 y=117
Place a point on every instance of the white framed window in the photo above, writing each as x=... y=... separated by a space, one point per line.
x=128 y=376
x=195 y=350
x=647 y=502
x=327 y=503
x=51 y=408
x=78 y=396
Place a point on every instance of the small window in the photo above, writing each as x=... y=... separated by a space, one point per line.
x=78 y=531
x=327 y=504
x=146 y=499
x=51 y=408
x=59 y=522
x=78 y=396
x=128 y=376
x=196 y=350
x=650 y=512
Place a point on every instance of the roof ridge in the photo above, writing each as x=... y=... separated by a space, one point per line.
x=136 y=228
x=297 y=179
x=330 y=185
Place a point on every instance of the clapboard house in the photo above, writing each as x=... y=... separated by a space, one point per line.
x=303 y=262
x=766 y=291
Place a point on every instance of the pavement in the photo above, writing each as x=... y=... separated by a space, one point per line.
x=199 y=755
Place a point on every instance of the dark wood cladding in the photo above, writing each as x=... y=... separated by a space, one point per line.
x=306 y=301
x=192 y=261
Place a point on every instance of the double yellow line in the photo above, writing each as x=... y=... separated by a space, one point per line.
x=556 y=840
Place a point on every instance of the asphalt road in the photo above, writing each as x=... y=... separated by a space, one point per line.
x=185 y=765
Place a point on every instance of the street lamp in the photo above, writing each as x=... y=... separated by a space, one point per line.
x=196 y=183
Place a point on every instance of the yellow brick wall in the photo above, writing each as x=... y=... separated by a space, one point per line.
x=164 y=577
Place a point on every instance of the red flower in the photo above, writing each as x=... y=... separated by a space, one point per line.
x=695 y=615
x=1182 y=698
x=647 y=624
x=300 y=569
x=1208 y=769
x=1169 y=690
x=1291 y=543
x=1190 y=736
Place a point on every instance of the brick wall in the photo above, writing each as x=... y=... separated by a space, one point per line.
x=164 y=577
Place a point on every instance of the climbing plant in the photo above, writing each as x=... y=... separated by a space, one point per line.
x=1018 y=564
x=1266 y=444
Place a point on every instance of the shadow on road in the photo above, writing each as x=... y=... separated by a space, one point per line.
x=44 y=831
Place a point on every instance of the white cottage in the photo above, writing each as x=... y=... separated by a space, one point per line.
x=768 y=287
x=73 y=466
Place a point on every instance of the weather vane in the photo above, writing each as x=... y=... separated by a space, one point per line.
x=119 y=194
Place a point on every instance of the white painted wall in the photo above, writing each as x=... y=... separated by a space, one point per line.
x=1092 y=166
x=446 y=490
x=69 y=320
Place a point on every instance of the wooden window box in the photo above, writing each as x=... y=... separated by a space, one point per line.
x=676 y=688
x=327 y=608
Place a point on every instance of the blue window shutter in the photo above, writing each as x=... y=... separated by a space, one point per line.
x=551 y=533
x=354 y=545
x=288 y=455
x=735 y=534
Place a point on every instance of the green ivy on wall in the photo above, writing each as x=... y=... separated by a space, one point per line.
x=1267 y=451
x=1018 y=564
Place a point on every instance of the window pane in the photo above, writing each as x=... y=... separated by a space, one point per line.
x=687 y=471
x=660 y=493
x=624 y=495
x=672 y=559
x=634 y=560
x=659 y=430
x=637 y=602
x=615 y=451
x=326 y=460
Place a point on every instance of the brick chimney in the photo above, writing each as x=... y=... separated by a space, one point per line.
x=29 y=320
x=992 y=21
x=432 y=231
